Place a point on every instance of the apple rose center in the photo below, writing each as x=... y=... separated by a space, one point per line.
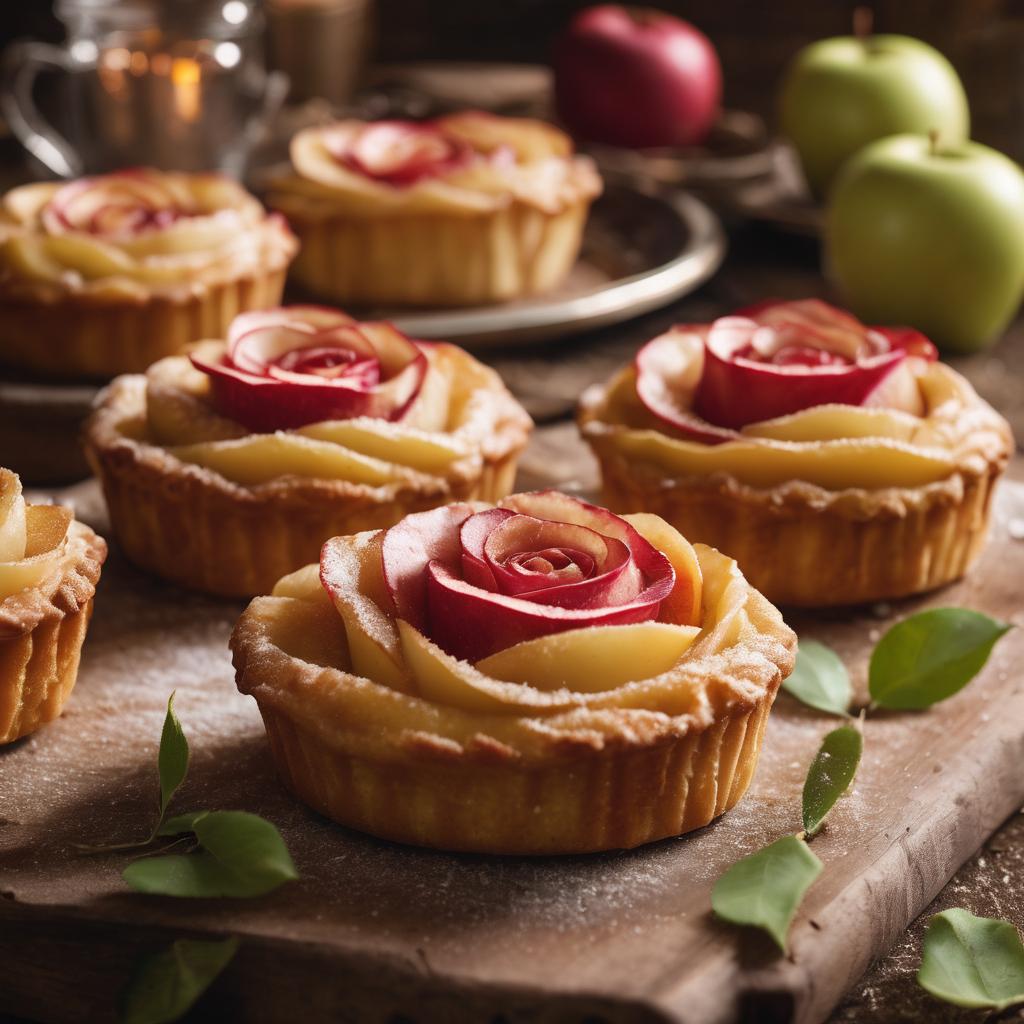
x=331 y=361
x=113 y=205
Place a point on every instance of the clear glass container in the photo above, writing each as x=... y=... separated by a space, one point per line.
x=174 y=84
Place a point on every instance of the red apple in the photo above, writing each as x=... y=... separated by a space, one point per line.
x=636 y=77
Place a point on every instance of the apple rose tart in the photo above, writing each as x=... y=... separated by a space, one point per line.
x=469 y=208
x=225 y=469
x=837 y=463
x=49 y=567
x=106 y=275
x=533 y=678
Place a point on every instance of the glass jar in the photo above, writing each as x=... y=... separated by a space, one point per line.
x=174 y=84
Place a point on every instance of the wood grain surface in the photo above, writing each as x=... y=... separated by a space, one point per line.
x=379 y=932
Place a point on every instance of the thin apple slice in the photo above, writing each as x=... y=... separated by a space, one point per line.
x=303 y=585
x=560 y=563
x=260 y=458
x=833 y=465
x=735 y=391
x=46 y=528
x=835 y=422
x=13 y=529
x=350 y=571
x=668 y=372
x=410 y=546
x=683 y=605
x=471 y=623
x=442 y=679
x=294 y=366
x=592 y=660
x=391 y=442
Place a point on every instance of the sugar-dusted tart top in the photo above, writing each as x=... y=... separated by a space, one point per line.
x=47 y=560
x=795 y=391
x=308 y=393
x=543 y=626
x=464 y=163
x=135 y=232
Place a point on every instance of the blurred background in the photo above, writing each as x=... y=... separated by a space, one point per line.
x=984 y=39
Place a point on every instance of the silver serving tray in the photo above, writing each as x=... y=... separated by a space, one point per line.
x=643 y=247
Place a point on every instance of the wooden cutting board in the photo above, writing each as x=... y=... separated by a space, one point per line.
x=376 y=932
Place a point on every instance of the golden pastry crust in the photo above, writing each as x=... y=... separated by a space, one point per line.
x=80 y=303
x=193 y=525
x=43 y=626
x=817 y=521
x=527 y=771
x=492 y=231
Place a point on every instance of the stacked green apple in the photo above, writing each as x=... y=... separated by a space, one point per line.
x=923 y=227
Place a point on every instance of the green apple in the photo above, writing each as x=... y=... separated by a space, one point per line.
x=840 y=94
x=930 y=236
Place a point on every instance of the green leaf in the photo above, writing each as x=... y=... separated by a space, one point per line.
x=765 y=889
x=166 y=985
x=820 y=679
x=241 y=855
x=972 y=961
x=172 y=761
x=930 y=656
x=830 y=774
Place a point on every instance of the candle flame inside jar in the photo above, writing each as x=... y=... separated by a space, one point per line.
x=186 y=76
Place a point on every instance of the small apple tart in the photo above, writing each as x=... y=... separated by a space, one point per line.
x=106 y=275
x=536 y=677
x=837 y=463
x=465 y=209
x=49 y=568
x=225 y=469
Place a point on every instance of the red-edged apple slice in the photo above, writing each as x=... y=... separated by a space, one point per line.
x=665 y=380
x=265 y=393
x=470 y=623
x=315 y=317
x=735 y=391
x=408 y=547
x=837 y=329
x=560 y=508
x=797 y=323
x=473 y=536
x=561 y=564
x=684 y=605
x=911 y=341
x=422 y=556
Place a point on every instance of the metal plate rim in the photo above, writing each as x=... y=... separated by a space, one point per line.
x=620 y=300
